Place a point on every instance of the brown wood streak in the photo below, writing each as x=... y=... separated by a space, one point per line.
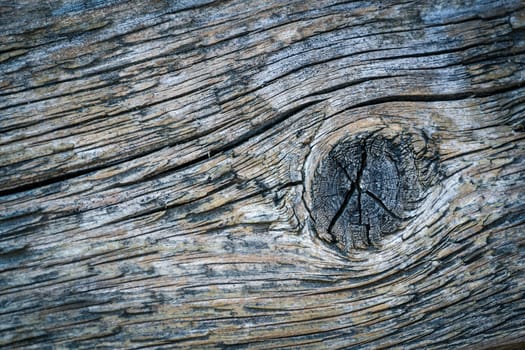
x=155 y=161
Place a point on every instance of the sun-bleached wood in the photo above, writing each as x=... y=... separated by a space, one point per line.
x=158 y=166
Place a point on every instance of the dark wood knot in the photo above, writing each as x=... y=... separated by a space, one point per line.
x=365 y=188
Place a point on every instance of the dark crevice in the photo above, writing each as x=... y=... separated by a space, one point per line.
x=367 y=234
x=320 y=62
x=434 y=53
x=10 y=252
x=177 y=51
x=345 y=171
x=368 y=219
x=362 y=167
x=359 y=207
x=127 y=257
x=227 y=147
x=382 y=205
x=54 y=180
x=342 y=208
x=242 y=139
x=436 y=97
x=349 y=84
x=360 y=171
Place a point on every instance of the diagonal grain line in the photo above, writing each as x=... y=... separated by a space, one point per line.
x=256 y=131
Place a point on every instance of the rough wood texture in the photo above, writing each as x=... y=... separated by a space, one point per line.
x=158 y=164
x=366 y=187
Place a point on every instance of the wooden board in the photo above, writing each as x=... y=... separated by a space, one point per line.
x=161 y=164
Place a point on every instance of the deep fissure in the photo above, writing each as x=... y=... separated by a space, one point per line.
x=363 y=189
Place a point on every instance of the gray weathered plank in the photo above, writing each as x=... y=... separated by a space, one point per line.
x=157 y=163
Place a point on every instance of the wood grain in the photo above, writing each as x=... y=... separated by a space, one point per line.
x=157 y=161
x=367 y=187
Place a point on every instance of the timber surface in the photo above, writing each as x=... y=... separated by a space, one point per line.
x=156 y=161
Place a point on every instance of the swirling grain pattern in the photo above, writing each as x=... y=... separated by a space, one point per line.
x=158 y=166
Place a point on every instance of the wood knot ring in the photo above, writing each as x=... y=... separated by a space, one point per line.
x=364 y=189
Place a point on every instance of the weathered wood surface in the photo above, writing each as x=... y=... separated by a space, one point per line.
x=160 y=162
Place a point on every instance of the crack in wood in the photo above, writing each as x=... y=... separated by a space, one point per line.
x=166 y=170
x=364 y=188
